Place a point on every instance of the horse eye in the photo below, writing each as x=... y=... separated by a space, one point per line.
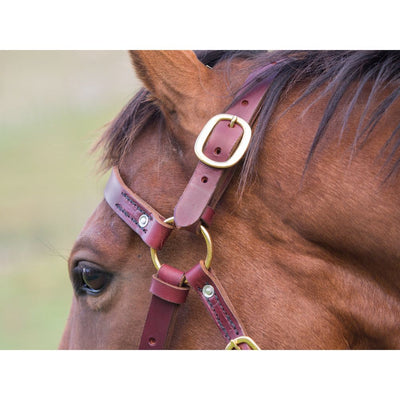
x=90 y=280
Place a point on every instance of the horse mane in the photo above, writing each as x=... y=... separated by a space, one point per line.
x=336 y=71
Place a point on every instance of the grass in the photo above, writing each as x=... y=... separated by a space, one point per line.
x=53 y=105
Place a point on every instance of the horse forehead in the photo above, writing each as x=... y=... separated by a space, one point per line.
x=104 y=237
x=155 y=170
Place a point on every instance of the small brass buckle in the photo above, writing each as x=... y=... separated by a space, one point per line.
x=206 y=131
x=206 y=236
x=234 y=343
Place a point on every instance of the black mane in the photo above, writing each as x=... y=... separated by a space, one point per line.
x=337 y=71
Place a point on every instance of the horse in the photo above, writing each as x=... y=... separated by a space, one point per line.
x=306 y=236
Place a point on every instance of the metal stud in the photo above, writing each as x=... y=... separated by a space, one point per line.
x=208 y=291
x=143 y=220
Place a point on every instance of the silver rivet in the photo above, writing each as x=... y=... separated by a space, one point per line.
x=143 y=220
x=208 y=291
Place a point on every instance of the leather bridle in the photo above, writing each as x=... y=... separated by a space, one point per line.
x=219 y=147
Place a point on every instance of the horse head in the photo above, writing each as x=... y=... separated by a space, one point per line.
x=306 y=236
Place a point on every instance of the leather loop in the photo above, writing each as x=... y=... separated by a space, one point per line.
x=162 y=312
x=207 y=216
x=168 y=292
x=141 y=218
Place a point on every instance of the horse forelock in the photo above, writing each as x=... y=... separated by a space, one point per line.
x=335 y=72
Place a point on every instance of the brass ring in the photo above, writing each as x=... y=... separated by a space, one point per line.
x=206 y=236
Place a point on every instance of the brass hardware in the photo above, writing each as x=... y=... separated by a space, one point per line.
x=233 y=121
x=206 y=131
x=206 y=236
x=234 y=343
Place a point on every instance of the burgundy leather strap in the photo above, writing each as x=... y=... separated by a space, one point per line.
x=214 y=297
x=207 y=183
x=168 y=293
x=141 y=218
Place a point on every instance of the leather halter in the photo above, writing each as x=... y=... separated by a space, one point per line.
x=219 y=147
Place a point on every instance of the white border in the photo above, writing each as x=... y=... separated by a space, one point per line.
x=206 y=24
x=210 y=25
x=199 y=374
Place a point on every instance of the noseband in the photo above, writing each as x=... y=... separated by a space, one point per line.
x=220 y=146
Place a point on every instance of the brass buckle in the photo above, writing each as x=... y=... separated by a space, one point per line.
x=207 y=238
x=206 y=131
x=234 y=343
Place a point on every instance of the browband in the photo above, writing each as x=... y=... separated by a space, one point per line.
x=141 y=217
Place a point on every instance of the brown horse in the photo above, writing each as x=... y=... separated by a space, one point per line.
x=307 y=235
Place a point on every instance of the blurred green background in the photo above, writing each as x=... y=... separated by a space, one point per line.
x=53 y=106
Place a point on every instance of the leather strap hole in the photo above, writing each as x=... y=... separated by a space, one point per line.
x=204 y=179
x=217 y=151
x=245 y=103
x=152 y=341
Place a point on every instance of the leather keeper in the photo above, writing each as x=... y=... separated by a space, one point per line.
x=135 y=212
x=161 y=316
x=208 y=216
x=168 y=292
